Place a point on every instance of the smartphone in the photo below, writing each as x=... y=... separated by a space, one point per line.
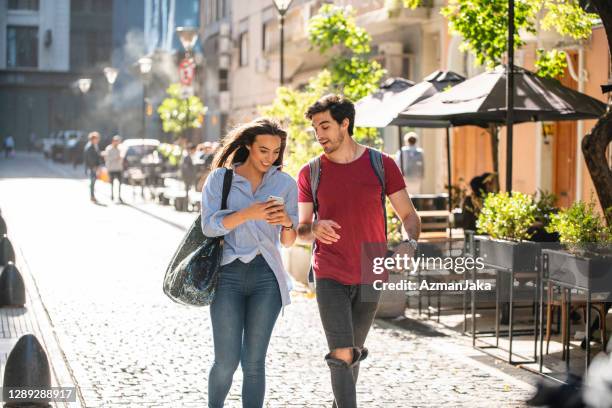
x=279 y=200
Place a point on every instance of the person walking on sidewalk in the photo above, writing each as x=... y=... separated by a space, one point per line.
x=188 y=170
x=93 y=160
x=253 y=285
x=113 y=157
x=345 y=212
x=9 y=146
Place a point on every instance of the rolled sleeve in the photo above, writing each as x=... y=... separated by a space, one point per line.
x=212 y=214
x=292 y=203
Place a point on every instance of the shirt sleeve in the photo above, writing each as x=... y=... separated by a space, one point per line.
x=394 y=181
x=304 y=191
x=212 y=215
x=292 y=200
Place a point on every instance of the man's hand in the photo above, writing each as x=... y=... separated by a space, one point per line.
x=324 y=231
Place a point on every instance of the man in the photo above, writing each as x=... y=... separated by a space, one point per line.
x=412 y=163
x=349 y=214
x=188 y=169
x=9 y=146
x=93 y=160
x=113 y=156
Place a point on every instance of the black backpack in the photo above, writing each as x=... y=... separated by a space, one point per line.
x=314 y=165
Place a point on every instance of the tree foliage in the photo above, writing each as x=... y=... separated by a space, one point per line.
x=483 y=26
x=179 y=114
x=349 y=72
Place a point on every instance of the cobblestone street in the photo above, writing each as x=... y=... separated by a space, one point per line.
x=99 y=269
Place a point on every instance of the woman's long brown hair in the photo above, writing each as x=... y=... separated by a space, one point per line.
x=234 y=144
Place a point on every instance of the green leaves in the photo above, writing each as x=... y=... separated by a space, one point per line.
x=179 y=114
x=350 y=73
x=568 y=18
x=483 y=25
x=505 y=216
x=551 y=64
x=334 y=26
x=580 y=225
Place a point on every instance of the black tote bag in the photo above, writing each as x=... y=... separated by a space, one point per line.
x=192 y=276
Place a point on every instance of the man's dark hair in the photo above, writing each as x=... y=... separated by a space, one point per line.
x=339 y=107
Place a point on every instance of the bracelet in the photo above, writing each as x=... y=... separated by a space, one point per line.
x=287 y=228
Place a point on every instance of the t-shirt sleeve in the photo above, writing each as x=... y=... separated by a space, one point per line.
x=304 y=191
x=394 y=181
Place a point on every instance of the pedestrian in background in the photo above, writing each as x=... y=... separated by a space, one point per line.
x=9 y=146
x=93 y=160
x=412 y=163
x=188 y=169
x=253 y=284
x=113 y=157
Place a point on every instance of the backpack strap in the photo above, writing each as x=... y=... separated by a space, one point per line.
x=314 y=166
x=227 y=184
x=376 y=160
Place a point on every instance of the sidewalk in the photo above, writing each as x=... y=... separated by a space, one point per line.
x=34 y=319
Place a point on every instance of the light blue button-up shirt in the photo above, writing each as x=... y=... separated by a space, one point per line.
x=252 y=237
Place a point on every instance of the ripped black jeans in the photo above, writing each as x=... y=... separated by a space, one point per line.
x=347 y=313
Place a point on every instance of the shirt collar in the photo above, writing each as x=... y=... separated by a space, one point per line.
x=272 y=170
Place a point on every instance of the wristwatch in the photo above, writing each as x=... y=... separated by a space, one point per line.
x=411 y=242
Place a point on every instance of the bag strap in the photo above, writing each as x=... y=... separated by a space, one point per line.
x=227 y=184
x=314 y=166
x=376 y=160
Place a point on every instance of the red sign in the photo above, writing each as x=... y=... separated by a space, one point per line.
x=186 y=71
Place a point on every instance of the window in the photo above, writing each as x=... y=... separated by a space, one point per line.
x=244 y=49
x=267 y=35
x=23 y=5
x=21 y=46
x=223 y=80
x=102 y=6
x=77 y=5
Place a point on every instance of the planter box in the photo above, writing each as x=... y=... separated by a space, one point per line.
x=392 y=302
x=594 y=274
x=501 y=254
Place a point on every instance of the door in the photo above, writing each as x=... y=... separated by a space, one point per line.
x=564 y=151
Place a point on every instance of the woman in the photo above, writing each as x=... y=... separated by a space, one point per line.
x=253 y=286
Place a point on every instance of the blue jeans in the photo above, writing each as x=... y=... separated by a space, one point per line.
x=92 y=172
x=243 y=315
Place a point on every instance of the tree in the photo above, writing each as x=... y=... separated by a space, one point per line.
x=483 y=25
x=180 y=114
x=349 y=72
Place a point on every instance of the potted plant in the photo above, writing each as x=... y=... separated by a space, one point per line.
x=587 y=259
x=506 y=220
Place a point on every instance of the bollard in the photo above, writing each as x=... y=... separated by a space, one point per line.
x=27 y=366
x=3 y=230
x=7 y=253
x=12 y=287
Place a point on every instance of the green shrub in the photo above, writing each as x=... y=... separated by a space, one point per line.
x=581 y=229
x=505 y=216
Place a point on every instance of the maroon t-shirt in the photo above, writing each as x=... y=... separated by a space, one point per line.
x=349 y=194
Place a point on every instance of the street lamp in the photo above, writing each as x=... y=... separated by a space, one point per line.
x=188 y=37
x=111 y=76
x=145 y=64
x=282 y=6
x=84 y=84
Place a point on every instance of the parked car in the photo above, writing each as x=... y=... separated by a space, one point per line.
x=47 y=143
x=64 y=149
x=137 y=149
